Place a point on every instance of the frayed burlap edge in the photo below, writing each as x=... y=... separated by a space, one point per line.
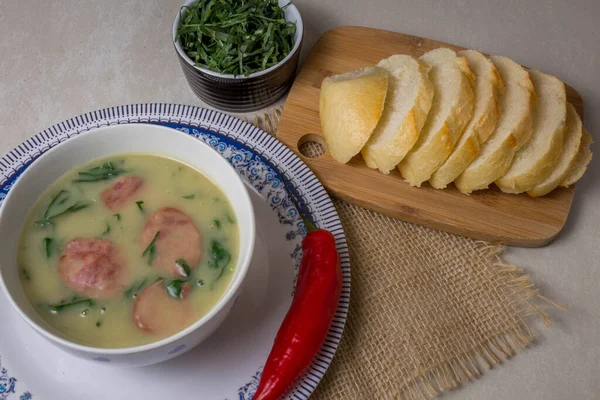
x=472 y=364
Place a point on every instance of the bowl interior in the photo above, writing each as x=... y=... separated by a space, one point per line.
x=291 y=14
x=102 y=142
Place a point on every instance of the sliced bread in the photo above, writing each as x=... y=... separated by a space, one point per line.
x=407 y=103
x=512 y=131
x=573 y=133
x=450 y=112
x=581 y=162
x=488 y=89
x=535 y=161
x=350 y=107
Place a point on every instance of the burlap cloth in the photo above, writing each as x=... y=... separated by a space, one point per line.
x=428 y=311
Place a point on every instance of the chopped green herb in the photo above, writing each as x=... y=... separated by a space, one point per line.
x=140 y=205
x=117 y=216
x=135 y=288
x=98 y=324
x=101 y=173
x=235 y=37
x=60 y=199
x=189 y=196
x=48 y=247
x=107 y=230
x=230 y=219
x=220 y=274
x=151 y=249
x=75 y=301
x=73 y=208
x=217 y=223
x=25 y=274
x=219 y=257
x=184 y=266
x=175 y=288
x=102 y=310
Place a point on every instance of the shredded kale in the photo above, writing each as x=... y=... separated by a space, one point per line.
x=151 y=249
x=175 y=288
x=56 y=308
x=235 y=37
x=103 y=172
x=181 y=263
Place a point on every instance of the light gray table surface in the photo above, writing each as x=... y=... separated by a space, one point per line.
x=66 y=57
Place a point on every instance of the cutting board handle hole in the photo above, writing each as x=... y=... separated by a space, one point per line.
x=312 y=146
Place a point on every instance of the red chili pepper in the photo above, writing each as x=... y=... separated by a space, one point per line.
x=307 y=322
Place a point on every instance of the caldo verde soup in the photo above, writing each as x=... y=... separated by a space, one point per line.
x=127 y=250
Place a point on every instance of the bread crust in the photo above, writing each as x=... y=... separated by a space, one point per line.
x=350 y=107
x=398 y=129
x=582 y=160
x=481 y=125
x=505 y=141
x=436 y=143
x=536 y=160
x=573 y=134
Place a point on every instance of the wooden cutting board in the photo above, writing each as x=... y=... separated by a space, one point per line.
x=488 y=215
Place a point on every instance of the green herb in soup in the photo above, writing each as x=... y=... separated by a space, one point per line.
x=235 y=37
x=175 y=288
x=151 y=249
x=104 y=274
x=186 y=270
x=140 y=205
x=100 y=173
x=57 y=207
x=107 y=230
x=75 y=301
x=135 y=288
x=48 y=247
x=219 y=258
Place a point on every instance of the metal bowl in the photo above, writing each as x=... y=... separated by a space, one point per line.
x=243 y=93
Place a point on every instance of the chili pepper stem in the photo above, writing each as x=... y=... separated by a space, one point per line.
x=310 y=226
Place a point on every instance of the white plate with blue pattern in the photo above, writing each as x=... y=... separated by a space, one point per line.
x=229 y=363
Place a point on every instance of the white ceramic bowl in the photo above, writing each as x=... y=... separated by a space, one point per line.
x=102 y=142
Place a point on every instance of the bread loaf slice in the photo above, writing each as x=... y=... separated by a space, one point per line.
x=488 y=89
x=573 y=133
x=407 y=103
x=350 y=106
x=450 y=112
x=536 y=160
x=581 y=162
x=513 y=129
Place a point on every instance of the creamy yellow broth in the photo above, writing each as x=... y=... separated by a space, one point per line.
x=108 y=322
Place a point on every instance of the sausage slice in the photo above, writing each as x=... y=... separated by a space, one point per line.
x=93 y=267
x=156 y=312
x=178 y=239
x=121 y=192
